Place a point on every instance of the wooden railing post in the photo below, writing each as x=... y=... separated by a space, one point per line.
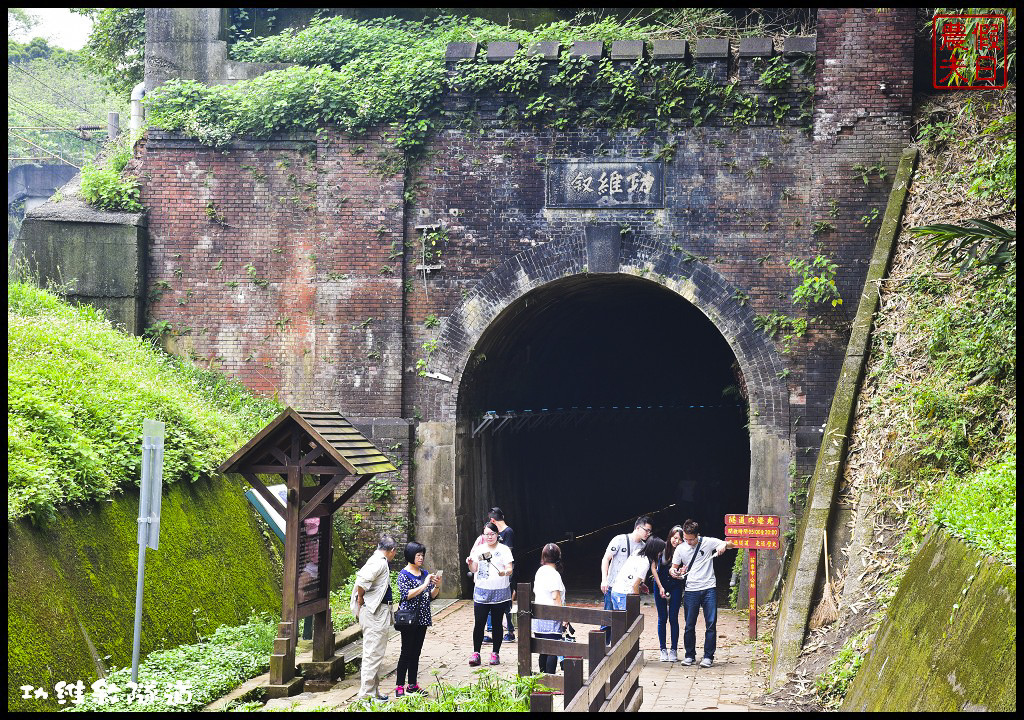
x=596 y=650
x=574 y=677
x=523 y=618
x=632 y=613
x=541 y=702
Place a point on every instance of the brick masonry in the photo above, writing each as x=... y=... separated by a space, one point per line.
x=291 y=263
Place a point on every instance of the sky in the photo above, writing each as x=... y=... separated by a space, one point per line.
x=60 y=27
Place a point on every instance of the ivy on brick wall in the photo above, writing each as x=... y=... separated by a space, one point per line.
x=357 y=75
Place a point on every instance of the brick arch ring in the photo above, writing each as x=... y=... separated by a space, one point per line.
x=699 y=284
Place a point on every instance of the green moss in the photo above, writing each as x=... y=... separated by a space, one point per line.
x=76 y=579
x=949 y=641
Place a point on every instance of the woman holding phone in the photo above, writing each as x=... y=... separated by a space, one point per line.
x=417 y=588
x=491 y=564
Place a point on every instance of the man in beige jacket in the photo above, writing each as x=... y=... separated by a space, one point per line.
x=371 y=604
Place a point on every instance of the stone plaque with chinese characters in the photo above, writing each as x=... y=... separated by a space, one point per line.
x=605 y=184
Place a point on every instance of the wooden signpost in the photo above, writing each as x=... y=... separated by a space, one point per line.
x=753 y=532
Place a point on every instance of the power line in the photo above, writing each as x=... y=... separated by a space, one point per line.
x=58 y=93
x=42 y=149
x=28 y=109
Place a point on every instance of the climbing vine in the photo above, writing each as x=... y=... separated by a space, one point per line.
x=357 y=75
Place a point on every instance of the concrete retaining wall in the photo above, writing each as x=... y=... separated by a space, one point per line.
x=949 y=642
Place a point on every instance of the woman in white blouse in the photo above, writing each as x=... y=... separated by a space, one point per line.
x=548 y=589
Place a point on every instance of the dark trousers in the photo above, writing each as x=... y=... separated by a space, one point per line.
x=481 y=611
x=668 y=611
x=409 y=659
x=548 y=663
x=705 y=600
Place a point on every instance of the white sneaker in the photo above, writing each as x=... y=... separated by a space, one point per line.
x=664 y=655
x=706 y=662
x=672 y=657
x=688 y=661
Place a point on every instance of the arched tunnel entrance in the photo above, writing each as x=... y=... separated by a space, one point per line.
x=590 y=401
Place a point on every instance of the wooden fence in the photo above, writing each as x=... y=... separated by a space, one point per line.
x=613 y=680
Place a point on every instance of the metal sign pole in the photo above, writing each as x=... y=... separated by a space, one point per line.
x=753 y=594
x=149 y=519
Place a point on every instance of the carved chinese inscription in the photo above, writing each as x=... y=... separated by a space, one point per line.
x=605 y=184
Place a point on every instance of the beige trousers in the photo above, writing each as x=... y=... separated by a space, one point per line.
x=376 y=626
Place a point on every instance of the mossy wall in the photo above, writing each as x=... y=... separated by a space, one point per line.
x=71 y=586
x=949 y=642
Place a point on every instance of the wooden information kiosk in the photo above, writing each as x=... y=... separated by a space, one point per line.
x=325 y=450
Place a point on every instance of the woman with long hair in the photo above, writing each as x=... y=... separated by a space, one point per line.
x=548 y=589
x=669 y=596
x=417 y=588
x=491 y=565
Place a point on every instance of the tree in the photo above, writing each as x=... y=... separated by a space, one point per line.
x=19 y=22
x=116 y=46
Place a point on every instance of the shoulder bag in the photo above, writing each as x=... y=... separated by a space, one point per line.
x=692 y=558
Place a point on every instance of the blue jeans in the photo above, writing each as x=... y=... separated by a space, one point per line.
x=668 y=610
x=608 y=606
x=692 y=602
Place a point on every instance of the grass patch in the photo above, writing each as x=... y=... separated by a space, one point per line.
x=78 y=391
x=831 y=686
x=489 y=693
x=190 y=676
x=982 y=508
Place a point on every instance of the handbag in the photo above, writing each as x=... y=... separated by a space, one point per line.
x=405 y=618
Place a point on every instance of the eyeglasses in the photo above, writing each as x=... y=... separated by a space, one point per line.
x=648 y=530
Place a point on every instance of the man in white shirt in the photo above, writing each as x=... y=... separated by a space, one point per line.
x=694 y=559
x=371 y=604
x=619 y=550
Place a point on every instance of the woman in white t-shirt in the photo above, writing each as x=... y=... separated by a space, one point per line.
x=491 y=565
x=548 y=589
x=632 y=574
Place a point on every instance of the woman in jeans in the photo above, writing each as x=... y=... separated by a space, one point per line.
x=669 y=596
x=548 y=589
x=491 y=565
x=417 y=588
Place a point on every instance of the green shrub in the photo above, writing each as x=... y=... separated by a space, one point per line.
x=357 y=75
x=104 y=186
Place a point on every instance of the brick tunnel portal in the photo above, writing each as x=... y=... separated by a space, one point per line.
x=593 y=400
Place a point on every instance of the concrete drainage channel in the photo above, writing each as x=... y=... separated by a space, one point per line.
x=350 y=647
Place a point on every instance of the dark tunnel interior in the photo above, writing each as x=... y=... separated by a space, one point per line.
x=635 y=407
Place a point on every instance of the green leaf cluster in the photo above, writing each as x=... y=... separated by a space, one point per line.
x=115 y=49
x=78 y=391
x=777 y=325
x=819 y=282
x=357 y=75
x=105 y=185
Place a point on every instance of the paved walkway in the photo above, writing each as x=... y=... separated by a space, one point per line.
x=731 y=684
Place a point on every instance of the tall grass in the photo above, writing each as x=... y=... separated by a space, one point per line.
x=78 y=391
